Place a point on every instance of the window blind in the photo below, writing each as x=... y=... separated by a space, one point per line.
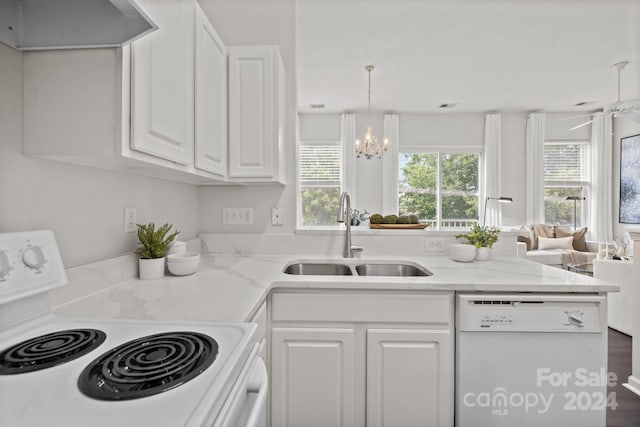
x=320 y=165
x=565 y=162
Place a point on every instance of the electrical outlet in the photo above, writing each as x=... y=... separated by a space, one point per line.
x=130 y=220
x=276 y=216
x=237 y=215
x=433 y=244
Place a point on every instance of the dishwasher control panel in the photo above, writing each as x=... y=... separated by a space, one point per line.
x=489 y=320
x=531 y=313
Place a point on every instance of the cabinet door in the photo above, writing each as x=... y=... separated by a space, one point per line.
x=211 y=98
x=312 y=377
x=409 y=378
x=252 y=112
x=162 y=84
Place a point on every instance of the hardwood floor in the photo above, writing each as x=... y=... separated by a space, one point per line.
x=627 y=414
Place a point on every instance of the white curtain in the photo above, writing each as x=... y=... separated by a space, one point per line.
x=601 y=203
x=391 y=131
x=492 y=170
x=348 y=136
x=535 y=164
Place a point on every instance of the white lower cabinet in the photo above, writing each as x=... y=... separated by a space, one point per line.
x=409 y=375
x=337 y=359
x=312 y=375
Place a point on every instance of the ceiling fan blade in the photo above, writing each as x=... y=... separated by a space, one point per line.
x=581 y=125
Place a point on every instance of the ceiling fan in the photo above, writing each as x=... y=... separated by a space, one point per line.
x=627 y=109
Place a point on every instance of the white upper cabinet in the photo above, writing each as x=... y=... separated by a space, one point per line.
x=257 y=108
x=135 y=109
x=210 y=98
x=162 y=84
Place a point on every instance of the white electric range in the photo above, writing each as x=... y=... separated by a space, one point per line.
x=76 y=372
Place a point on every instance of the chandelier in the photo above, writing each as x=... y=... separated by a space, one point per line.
x=371 y=145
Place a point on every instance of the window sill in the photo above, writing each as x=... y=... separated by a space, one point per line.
x=365 y=231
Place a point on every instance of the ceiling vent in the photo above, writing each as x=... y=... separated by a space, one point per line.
x=448 y=105
x=68 y=24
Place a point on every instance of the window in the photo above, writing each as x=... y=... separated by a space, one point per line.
x=320 y=182
x=566 y=173
x=440 y=188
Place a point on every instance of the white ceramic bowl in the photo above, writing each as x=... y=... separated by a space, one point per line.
x=462 y=252
x=183 y=264
x=177 y=247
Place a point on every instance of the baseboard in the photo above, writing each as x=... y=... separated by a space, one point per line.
x=633 y=384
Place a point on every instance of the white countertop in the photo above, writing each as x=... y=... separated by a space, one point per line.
x=232 y=287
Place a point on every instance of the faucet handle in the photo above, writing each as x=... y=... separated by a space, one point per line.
x=356 y=248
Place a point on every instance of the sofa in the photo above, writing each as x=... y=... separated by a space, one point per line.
x=557 y=246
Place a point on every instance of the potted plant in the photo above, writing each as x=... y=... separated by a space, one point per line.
x=483 y=238
x=153 y=248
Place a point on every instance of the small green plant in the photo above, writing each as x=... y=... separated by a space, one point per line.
x=481 y=236
x=154 y=243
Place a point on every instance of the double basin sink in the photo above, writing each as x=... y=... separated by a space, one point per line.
x=370 y=269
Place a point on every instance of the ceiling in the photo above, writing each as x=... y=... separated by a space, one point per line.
x=485 y=55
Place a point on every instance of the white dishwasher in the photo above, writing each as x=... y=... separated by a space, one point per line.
x=531 y=360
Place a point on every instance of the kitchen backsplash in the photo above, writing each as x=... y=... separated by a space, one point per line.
x=331 y=244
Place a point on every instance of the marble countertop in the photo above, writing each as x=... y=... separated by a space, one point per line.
x=232 y=287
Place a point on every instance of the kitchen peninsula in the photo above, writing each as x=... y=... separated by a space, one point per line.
x=353 y=329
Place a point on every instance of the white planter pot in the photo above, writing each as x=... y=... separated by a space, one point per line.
x=151 y=268
x=482 y=254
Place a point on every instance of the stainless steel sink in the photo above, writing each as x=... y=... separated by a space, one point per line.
x=391 y=270
x=319 y=269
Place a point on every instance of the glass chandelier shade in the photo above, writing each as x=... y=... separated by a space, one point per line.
x=371 y=145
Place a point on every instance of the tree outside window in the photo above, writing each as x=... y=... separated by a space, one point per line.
x=320 y=173
x=566 y=173
x=441 y=188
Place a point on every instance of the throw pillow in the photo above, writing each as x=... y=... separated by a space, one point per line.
x=555 y=243
x=579 y=239
x=540 y=230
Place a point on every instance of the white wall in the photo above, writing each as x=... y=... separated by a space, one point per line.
x=83 y=206
x=256 y=23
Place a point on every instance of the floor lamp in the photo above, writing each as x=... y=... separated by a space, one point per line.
x=575 y=203
x=499 y=199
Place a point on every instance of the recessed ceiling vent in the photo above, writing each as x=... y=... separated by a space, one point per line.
x=317 y=106
x=448 y=105
x=582 y=103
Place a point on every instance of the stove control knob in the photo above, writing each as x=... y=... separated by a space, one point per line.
x=5 y=265
x=576 y=318
x=33 y=257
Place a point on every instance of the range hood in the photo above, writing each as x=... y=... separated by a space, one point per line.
x=69 y=24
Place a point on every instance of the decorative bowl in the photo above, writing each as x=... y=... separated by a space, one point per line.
x=183 y=264
x=462 y=252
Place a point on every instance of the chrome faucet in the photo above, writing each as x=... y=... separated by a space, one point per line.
x=344 y=215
